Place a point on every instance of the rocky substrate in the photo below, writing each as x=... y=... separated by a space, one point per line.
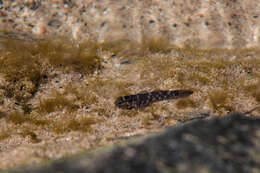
x=203 y=23
x=228 y=144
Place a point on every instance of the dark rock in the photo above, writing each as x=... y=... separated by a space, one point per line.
x=229 y=144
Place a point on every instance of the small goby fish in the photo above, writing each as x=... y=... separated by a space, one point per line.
x=142 y=100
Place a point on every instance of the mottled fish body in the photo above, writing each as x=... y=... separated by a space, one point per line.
x=142 y=100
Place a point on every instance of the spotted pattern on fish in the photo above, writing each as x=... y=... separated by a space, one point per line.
x=142 y=100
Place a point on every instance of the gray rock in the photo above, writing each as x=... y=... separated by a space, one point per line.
x=226 y=144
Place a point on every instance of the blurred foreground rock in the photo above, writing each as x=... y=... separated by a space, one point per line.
x=226 y=144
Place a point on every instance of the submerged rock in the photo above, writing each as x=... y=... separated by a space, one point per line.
x=225 y=144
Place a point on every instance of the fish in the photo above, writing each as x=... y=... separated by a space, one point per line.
x=142 y=100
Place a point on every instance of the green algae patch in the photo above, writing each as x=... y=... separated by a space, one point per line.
x=56 y=103
x=25 y=65
x=156 y=45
